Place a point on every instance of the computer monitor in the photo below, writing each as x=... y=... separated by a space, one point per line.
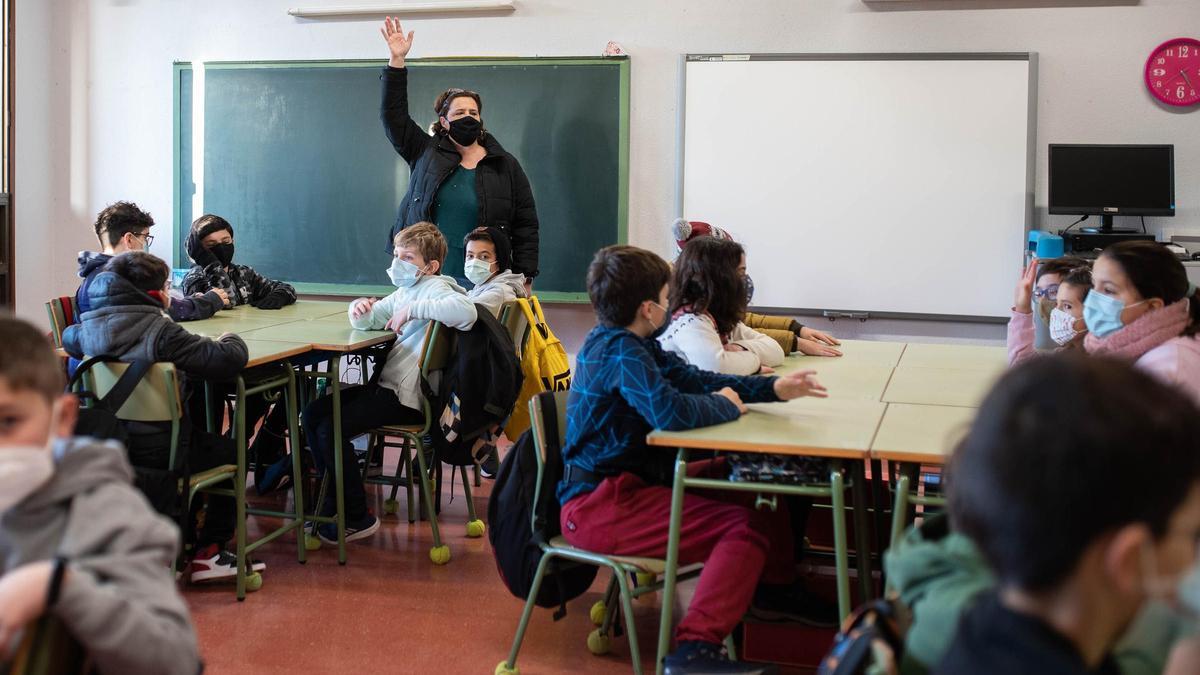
x=1112 y=180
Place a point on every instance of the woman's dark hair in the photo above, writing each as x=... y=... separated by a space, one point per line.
x=144 y=271
x=620 y=279
x=119 y=219
x=441 y=106
x=1064 y=450
x=707 y=280
x=1156 y=273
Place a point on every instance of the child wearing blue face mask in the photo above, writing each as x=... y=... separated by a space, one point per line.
x=1143 y=309
x=488 y=266
x=422 y=295
x=78 y=543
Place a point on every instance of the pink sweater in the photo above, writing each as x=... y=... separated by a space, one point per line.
x=1176 y=361
x=1020 y=337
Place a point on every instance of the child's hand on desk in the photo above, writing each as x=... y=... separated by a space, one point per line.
x=362 y=306
x=800 y=383
x=22 y=599
x=733 y=397
x=818 y=336
x=396 y=323
x=1023 y=300
x=766 y=370
x=222 y=295
x=813 y=348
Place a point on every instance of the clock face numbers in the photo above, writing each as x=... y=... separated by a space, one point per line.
x=1173 y=72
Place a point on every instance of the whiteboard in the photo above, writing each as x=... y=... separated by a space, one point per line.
x=898 y=185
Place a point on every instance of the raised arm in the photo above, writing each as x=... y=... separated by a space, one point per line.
x=407 y=137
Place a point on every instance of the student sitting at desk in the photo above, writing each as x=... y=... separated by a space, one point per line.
x=123 y=227
x=1067 y=327
x=615 y=491
x=791 y=335
x=1075 y=563
x=210 y=246
x=77 y=542
x=708 y=303
x=489 y=263
x=422 y=295
x=128 y=320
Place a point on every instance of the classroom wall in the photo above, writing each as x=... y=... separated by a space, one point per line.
x=94 y=93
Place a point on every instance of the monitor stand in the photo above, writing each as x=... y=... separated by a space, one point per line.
x=1106 y=227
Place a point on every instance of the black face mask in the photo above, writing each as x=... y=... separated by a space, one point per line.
x=465 y=130
x=223 y=253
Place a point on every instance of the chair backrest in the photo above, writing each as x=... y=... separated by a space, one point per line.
x=437 y=348
x=155 y=399
x=539 y=412
x=47 y=648
x=57 y=310
x=516 y=324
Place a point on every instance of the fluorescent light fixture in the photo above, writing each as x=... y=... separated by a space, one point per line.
x=407 y=8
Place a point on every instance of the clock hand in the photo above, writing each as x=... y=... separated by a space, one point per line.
x=1186 y=78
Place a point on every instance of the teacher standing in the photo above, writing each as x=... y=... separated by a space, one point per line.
x=461 y=178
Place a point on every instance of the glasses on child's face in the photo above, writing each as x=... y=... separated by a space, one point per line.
x=147 y=238
x=1050 y=292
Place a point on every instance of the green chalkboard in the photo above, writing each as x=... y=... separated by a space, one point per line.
x=294 y=155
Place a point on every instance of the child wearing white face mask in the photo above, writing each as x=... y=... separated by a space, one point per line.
x=422 y=295
x=488 y=266
x=78 y=542
x=1065 y=318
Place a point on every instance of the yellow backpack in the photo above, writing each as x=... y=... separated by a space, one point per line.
x=543 y=362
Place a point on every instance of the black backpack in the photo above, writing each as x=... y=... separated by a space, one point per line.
x=478 y=390
x=517 y=537
x=870 y=642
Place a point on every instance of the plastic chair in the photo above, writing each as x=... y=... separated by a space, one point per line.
x=62 y=312
x=517 y=325
x=645 y=570
x=157 y=400
x=435 y=356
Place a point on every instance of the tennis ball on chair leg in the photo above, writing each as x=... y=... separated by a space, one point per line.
x=503 y=669
x=391 y=506
x=440 y=555
x=476 y=528
x=597 y=612
x=311 y=542
x=254 y=581
x=598 y=643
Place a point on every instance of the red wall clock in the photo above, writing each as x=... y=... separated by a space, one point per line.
x=1173 y=72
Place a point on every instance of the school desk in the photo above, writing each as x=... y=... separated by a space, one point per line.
x=836 y=429
x=963 y=387
x=848 y=379
x=923 y=355
x=857 y=352
x=301 y=309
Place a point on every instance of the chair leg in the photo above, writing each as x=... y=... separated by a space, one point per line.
x=475 y=526
x=530 y=603
x=627 y=612
x=239 y=494
x=410 y=471
x=900 y=509
x=440 y=553
x=295 y=448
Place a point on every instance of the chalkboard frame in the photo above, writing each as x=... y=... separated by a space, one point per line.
x=351 y=290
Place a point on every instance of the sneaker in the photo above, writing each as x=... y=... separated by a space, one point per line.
x=490 y=465
x=779 y=603
x=213 y=562
x=277 y=476
x=707 y=657
x=354 y=530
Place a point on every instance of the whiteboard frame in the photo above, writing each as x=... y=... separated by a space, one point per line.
x=1030 y=161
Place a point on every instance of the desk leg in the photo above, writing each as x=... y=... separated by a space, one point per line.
x=880 y=504
x=862 y=536
x=239 y=488
x=668 y=596
x=840 y=555
x=297 y=465
x=339 y=489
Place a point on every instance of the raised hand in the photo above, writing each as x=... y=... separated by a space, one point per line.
x=398 y=42
x=1023 y=299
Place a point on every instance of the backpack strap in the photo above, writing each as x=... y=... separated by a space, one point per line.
x=124 y=387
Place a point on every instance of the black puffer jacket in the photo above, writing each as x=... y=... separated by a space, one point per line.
x=241 y=283
x=128 y=324
x=505 y=198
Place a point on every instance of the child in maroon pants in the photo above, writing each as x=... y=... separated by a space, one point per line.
x=616 y=496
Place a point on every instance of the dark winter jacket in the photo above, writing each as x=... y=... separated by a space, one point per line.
x=505 y=198
x=127 y=323
x=241 y=283
x=186 y=308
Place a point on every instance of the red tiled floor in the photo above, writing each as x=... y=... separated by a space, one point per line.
x=390 y=610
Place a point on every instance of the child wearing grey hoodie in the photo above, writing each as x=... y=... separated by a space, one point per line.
x=489 y=267
x=79 y=545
